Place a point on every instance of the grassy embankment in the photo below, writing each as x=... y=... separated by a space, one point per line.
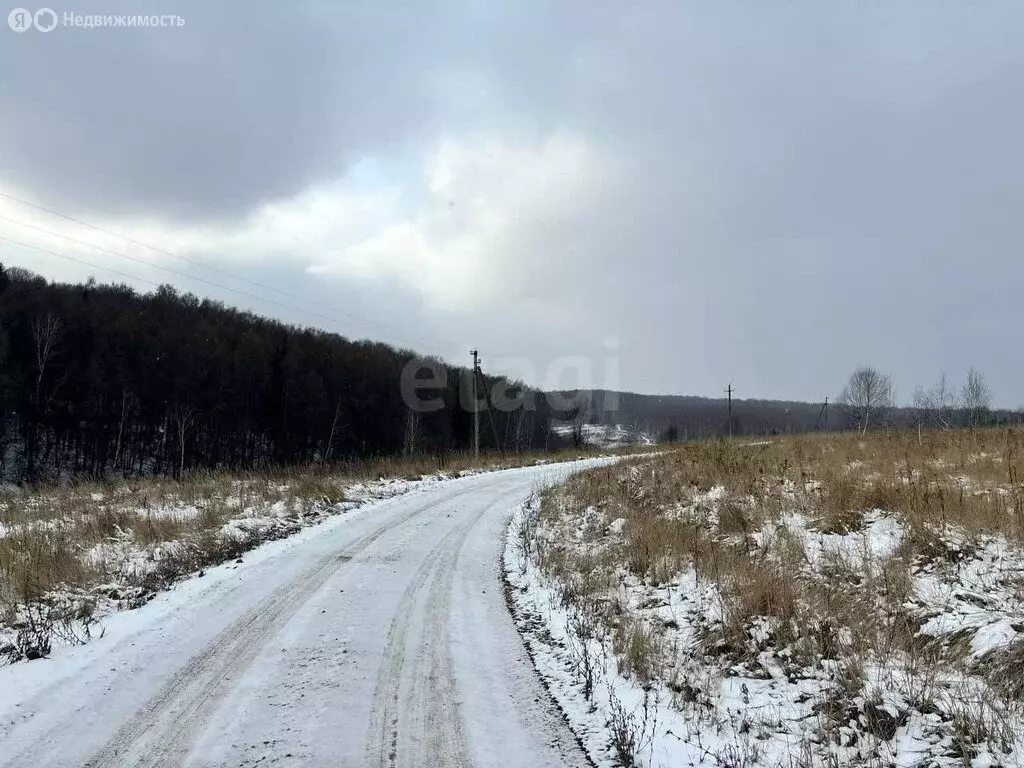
x=876 y=581
x=71 y=553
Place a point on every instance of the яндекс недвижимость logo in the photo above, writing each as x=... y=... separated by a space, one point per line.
x=46 y=20
x=22 y=19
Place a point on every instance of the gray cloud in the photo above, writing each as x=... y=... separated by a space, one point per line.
x=246 y=103
x=789 y=189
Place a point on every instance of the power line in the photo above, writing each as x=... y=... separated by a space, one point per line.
x=5 y=239
x=128 y=276
x=165 y=269
x=205 y=281
x=365 y=322
x=156 y=249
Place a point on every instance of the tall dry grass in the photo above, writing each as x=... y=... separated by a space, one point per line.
x=52 y=538
x=701 y=515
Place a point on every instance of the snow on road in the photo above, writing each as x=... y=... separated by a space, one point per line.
x=380 y=638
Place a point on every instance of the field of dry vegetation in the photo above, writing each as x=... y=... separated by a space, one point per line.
x=71 y=554
x=820 y=600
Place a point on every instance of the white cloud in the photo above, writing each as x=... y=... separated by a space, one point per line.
x=475 y=231
x=478 y=219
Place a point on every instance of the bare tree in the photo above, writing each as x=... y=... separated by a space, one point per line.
x=128 y=404
x=580 y=418
x=184 y=420
x=45 y=333
x=936 y=407
x=334 y=428
x=867 y=396
x=976 y=397
x=45 y=336
x=409 y=440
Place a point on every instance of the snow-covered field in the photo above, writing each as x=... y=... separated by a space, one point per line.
x=70 y=557
x=380 y=637
x=605 y=435
x=804 y=603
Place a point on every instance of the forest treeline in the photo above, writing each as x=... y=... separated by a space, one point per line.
x=101 y=380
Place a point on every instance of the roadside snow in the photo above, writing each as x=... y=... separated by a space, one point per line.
x=380 y=637
x=768 y=711
x=133 y=571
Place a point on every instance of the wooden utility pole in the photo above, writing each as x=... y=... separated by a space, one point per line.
x=729 y=392
x=476 y=405
x=822 y=420
x=490 y=411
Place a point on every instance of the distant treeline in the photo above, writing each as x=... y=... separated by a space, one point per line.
x=668 y=418
x=686 y=417
x=99 y=380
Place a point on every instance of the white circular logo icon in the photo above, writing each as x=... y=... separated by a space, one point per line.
x=45 y=19
x=20 y=20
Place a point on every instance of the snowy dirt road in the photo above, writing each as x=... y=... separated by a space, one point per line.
x=380 y=638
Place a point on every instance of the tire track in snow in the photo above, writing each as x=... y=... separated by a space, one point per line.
x=386 y=707
x=438 y=700
x=163 y=730
x=429 y=717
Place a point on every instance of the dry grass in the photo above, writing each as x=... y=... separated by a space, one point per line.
x=130 y=538
x=748 y=521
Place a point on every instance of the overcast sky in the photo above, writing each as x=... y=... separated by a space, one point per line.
x=762 y=192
